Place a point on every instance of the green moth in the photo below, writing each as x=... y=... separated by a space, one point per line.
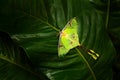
x=69 y=39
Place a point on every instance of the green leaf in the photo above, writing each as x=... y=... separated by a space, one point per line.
x=14 y=63
x=35 y=26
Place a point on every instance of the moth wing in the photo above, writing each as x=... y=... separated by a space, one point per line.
x=71 y=30
x=68 y=37
x=61 y=48
x=71 y=27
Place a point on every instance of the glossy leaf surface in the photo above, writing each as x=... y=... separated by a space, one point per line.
x=35 y=26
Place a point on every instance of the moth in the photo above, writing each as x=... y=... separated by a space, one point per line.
x=69 y=39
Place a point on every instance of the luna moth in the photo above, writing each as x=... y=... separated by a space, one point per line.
x=69 y=39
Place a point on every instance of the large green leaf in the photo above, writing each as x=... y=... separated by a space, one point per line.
x=14 y=63
x=35 y=25
x=114 y=32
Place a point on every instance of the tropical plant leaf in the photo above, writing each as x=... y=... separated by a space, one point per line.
x=36 y=24
x=14 y=63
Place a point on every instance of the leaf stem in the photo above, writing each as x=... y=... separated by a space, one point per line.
x=108 y=13
x=93 y=74
x=20 y=66
x=45 y=22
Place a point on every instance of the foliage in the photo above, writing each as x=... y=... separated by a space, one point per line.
x=29 y=32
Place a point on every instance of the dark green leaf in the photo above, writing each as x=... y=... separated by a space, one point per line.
x=35 y=25
x=14 y=63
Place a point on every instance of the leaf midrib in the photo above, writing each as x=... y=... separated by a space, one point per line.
x=20 y=66
x=53 y=27
x=93 y=74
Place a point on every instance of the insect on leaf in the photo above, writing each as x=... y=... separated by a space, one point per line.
x=68 y=37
